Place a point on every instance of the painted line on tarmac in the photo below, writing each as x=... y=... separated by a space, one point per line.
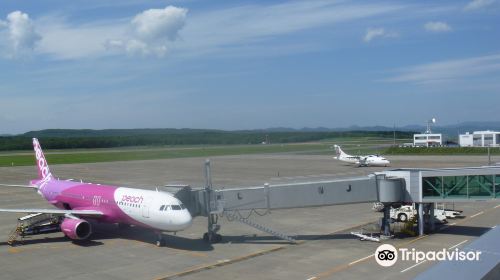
x=453 y=247
x=345 y=266
x=221 y=263
x=360 y=260
x=413 y=266
x=477 y=214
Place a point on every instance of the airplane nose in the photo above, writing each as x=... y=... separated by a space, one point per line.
x=188 y=218
x=184 y=220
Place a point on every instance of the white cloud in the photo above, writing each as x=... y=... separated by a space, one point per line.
x=254 y=28
x=21 y=32
x=437 y=26
x=478 y=4
x=152 y=32
x=372 y=33
x=449 y=70
x=62 y=40
x=249 y=28
x=159 y=24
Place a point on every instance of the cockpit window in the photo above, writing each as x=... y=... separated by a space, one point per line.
x=176 y=207
x=161 y=208
x=182 y=206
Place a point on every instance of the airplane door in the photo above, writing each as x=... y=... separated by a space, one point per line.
x=145 y=211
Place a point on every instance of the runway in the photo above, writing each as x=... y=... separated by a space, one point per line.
x=326 y=250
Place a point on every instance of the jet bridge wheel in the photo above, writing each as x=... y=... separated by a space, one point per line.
x=215 y=238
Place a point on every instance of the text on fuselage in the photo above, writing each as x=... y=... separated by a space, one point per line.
x=132 y=198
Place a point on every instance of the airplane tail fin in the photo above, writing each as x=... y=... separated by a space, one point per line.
x=41 y=162
x=339 y=152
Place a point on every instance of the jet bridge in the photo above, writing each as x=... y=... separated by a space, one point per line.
x=392 y=187
x=210 y=202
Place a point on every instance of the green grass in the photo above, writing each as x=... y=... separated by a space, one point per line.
x=69 y=157
x=441 y=151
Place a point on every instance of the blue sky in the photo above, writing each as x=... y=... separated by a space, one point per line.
x=247 y=64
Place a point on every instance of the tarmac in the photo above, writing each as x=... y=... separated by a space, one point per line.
x=325 y=250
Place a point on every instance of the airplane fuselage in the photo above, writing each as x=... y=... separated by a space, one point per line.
x=145 y=208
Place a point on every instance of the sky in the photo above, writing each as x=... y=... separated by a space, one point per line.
x=247 y=64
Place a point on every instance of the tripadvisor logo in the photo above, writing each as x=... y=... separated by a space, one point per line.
x=386 y=255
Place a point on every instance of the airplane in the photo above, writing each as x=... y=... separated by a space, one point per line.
x=77 y=203
x=369 y=160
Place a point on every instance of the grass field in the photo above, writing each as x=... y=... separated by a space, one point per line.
x=108 y=155
x=442 y=151
x=354 y=146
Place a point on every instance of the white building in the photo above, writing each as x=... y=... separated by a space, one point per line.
x=479 y=139
x=427 y=139
x=465 y=140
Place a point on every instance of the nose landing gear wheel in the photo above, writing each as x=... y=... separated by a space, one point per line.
x=160 y=242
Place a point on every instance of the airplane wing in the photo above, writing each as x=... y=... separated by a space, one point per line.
x=19 y=186
x=55 y=211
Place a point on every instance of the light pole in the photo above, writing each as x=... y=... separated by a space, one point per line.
x=429 y=123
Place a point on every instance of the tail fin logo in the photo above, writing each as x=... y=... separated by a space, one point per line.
x=337 y=151
x=43 y=166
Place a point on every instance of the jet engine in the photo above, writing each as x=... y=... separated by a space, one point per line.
x=76 y=228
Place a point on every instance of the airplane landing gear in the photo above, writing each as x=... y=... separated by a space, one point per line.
x=160 y=241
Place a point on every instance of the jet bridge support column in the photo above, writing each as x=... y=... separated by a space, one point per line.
x=420 y=219
x=432 y=219
x=386 y=220
x=213 y=227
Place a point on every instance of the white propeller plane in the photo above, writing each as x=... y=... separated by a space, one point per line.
x=369 y=160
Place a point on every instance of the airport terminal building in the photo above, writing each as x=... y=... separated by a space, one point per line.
x=480 y=139
x=427 y=140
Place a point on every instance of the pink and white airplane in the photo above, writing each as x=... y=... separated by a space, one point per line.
x=78 y=202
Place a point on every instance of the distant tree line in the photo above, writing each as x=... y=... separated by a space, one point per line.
x=72 y=139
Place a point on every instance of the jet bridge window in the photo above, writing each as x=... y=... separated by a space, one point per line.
x=466 y=186
x=481 y=185
x=432 y=186
x=497 y=185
